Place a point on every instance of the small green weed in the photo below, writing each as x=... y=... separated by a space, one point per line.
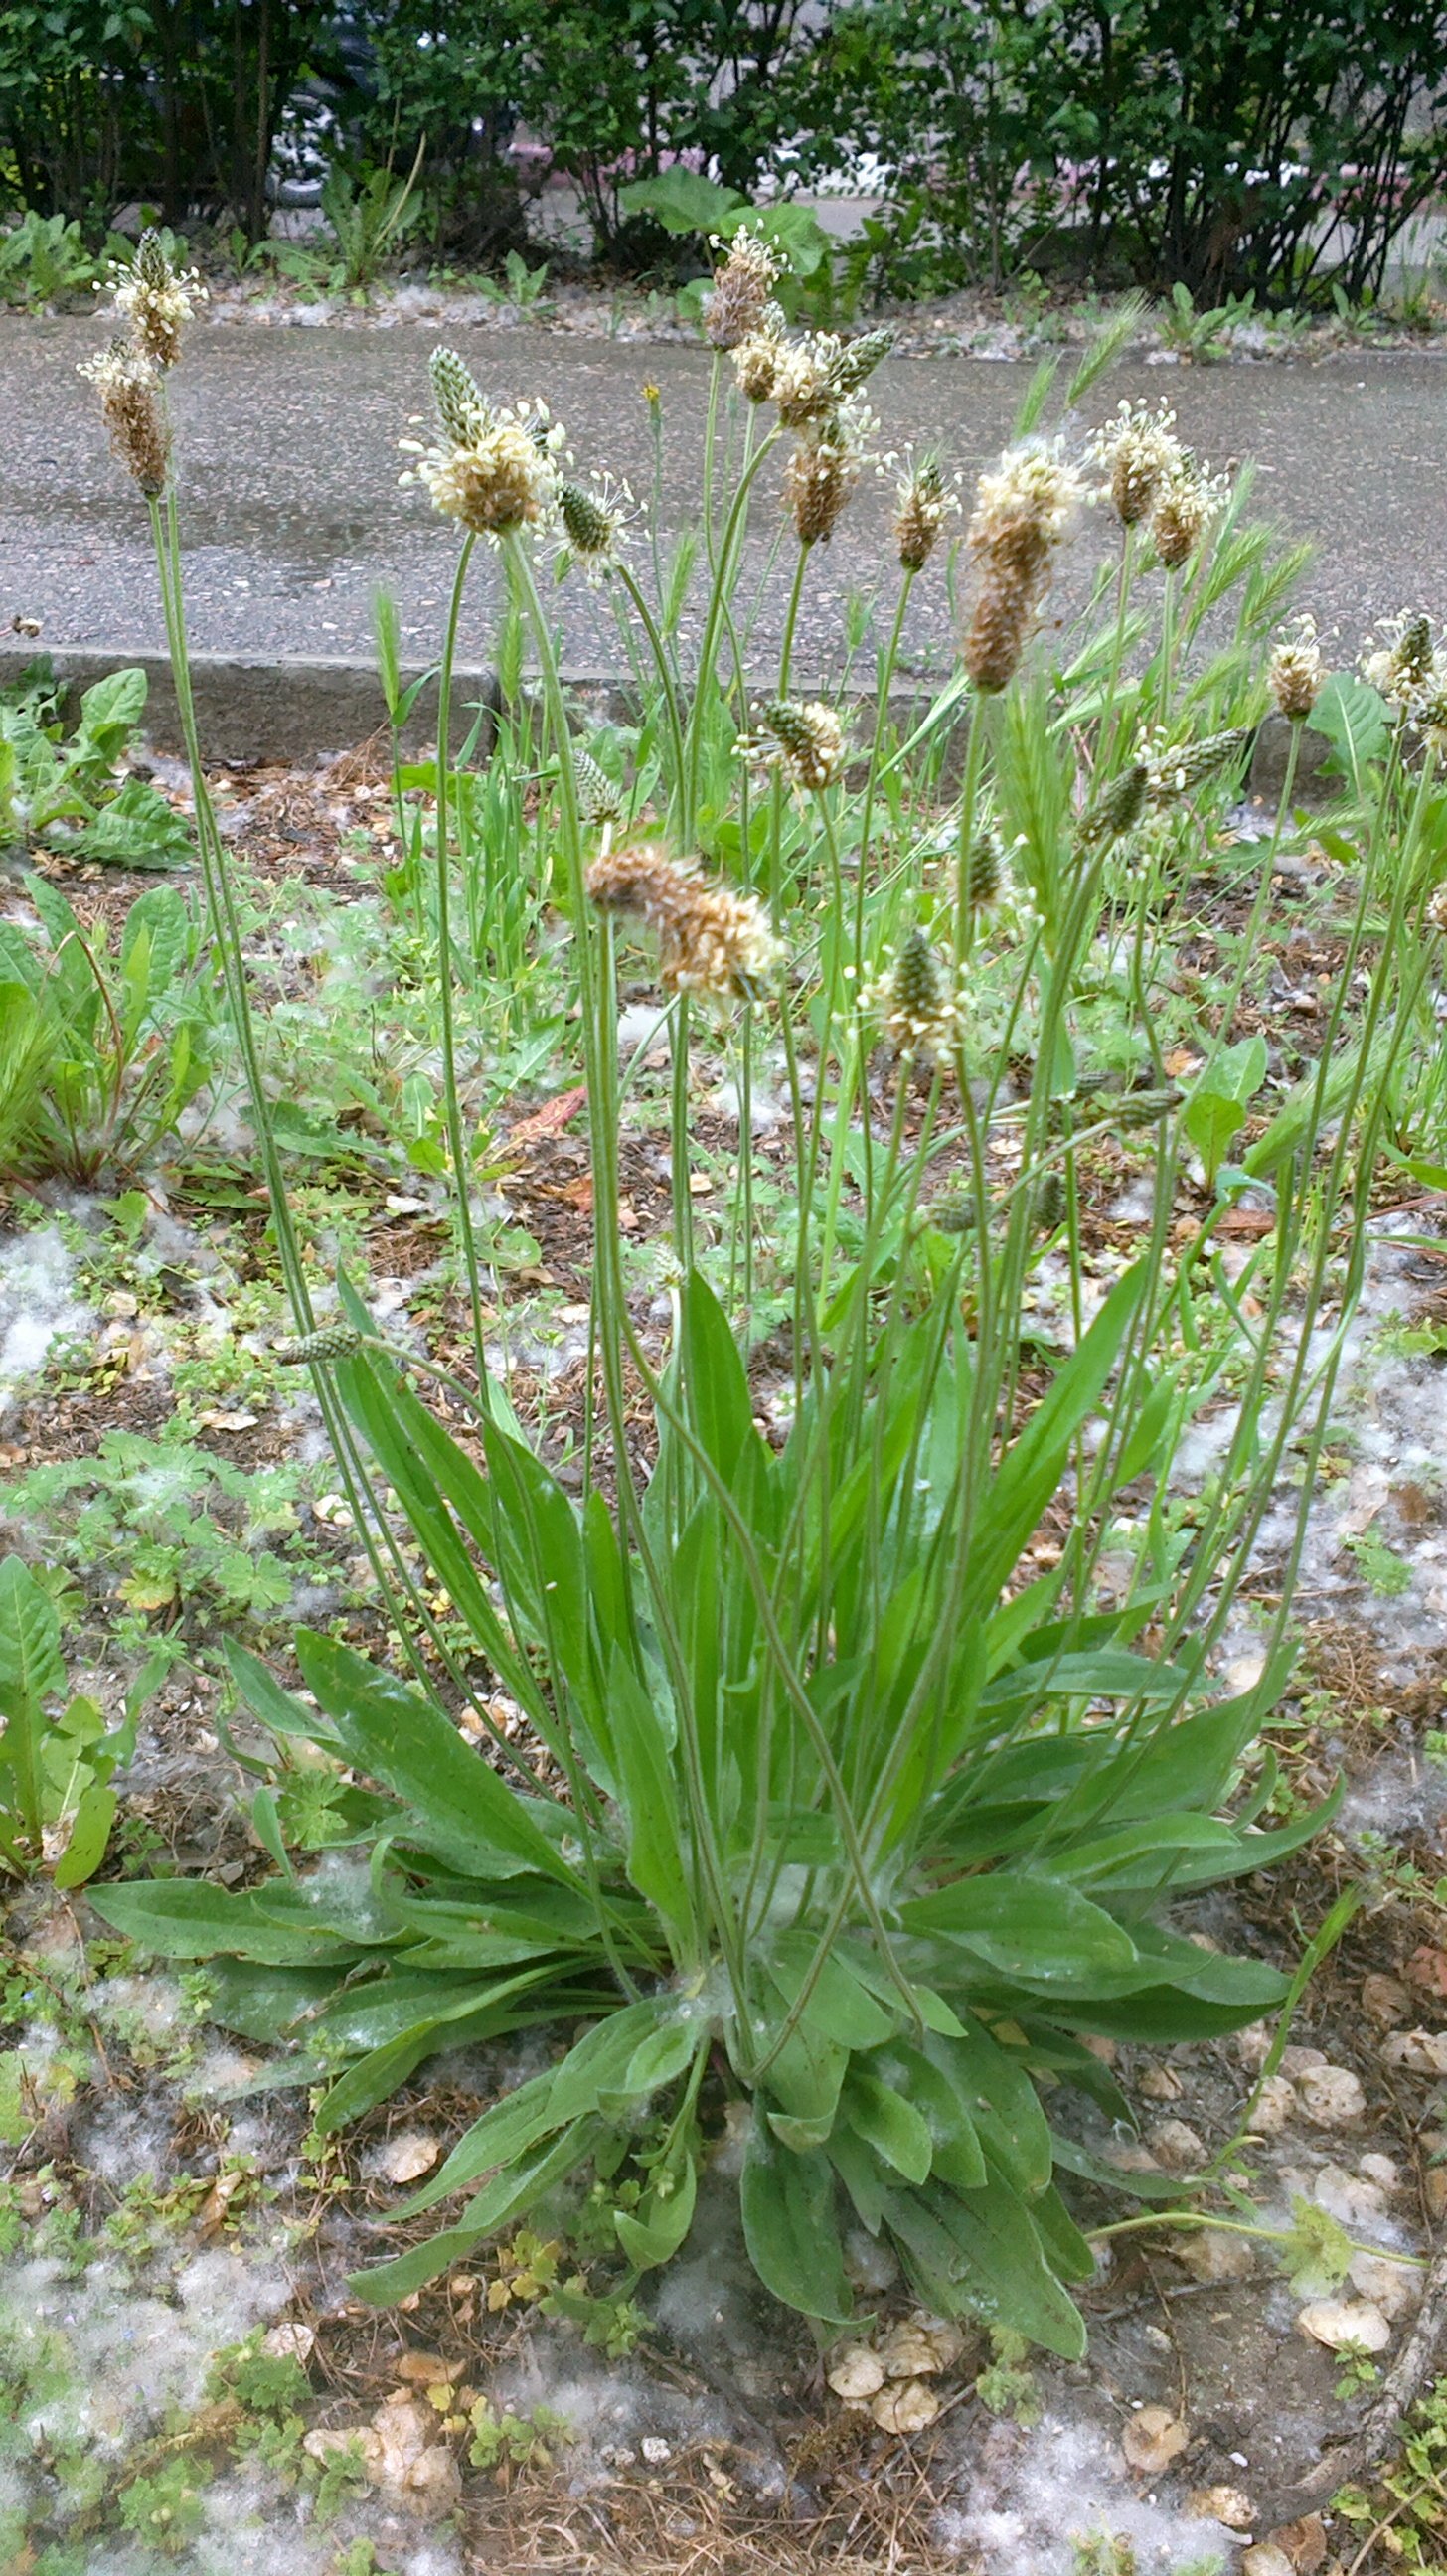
x=1409 y=2499
x=506 y=2442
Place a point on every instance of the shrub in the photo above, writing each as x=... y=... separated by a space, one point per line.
x=100 y=105
x=1280 y=153
x=616 y=94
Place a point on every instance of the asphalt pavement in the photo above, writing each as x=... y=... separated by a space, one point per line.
x=287 y=442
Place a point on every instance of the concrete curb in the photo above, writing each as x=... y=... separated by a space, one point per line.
x=281 y=710
x=298 y=712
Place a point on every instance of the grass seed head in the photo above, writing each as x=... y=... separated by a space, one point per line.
x=129 y=386
x=735 y=310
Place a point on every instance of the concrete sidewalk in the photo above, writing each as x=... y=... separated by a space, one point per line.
x=287 y=442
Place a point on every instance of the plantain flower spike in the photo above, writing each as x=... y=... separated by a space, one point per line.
x=1022 y=510
x=134 y=413
x=1296 y=671
x=1175 y=768
x=982 y=871
x=923 y=504
x=1047 y=1208
x=824 y=470
x=805 y=740
x=1140 y=451
x=813 y=376
x=711 y=941
x=332 y=1342
x=736 y=309
x=492 y=470
x=1429 y=712
x=457 y=395
x=916 y=1010
x=1190 y=498
x=599 y=799
x=858 y=359
x=156 y=300
x=594 y=522
x=756 y=360
x=1118 y=807
x=1400 y=662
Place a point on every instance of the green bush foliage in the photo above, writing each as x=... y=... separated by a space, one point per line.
x=1277 y=152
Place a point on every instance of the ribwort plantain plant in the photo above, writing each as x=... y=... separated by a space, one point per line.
x=849 y=1787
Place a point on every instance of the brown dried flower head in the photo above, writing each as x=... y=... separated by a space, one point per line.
x=1140 y=452
x=805 y=739
x=756 y=360
x=1296 y=670
x=1021 y=512
x=133 y=411
x=492 y=470
x=740 y=299
x=156 y=300
x=1188 y=500
x=924 y=502
x=711 y=941
x=999 y=629
x=824 y=470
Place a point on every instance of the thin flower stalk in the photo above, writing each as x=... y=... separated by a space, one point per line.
x=446 y=975
x=396 y=1584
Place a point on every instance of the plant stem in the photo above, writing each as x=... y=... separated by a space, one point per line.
x=452 y=1102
